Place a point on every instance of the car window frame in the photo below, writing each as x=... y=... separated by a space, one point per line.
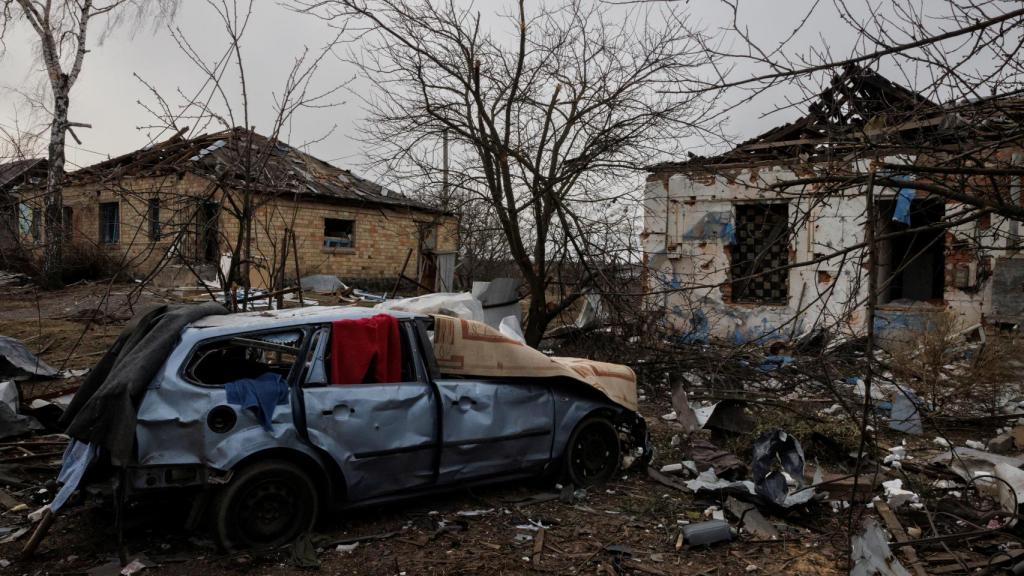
x=183 y=371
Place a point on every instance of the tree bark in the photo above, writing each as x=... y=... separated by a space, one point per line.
x=53 y=247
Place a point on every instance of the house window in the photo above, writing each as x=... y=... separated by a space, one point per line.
x=24 y=219
x=761 y=254
x=339 y=233
x=68 y=223
x=37 y=225
x=110 y=223
x=153 y=217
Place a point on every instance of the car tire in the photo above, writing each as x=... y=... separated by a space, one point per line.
x=265 y=504
x=593 y=453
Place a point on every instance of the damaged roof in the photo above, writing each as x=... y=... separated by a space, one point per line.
x=862 y=107
x=12 y=171
x=232 y=156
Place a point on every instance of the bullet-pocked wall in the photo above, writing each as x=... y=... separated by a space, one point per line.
x=730 y=255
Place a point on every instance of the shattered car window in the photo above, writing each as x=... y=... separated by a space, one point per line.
x=244 y=356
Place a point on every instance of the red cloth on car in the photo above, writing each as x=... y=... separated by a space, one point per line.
x=366 y=350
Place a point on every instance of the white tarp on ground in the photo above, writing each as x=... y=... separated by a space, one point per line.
x=467 y=348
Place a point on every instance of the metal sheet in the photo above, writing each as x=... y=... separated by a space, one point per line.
x=1008 y=289
x=382 y=435
x=492 y=427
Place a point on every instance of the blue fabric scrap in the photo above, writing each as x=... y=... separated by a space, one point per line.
x=259 y=395
x=902 y=212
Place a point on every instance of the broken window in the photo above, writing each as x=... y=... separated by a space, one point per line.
x=339 y=233
x=37 y=225
x=244 y=356
x=153 y=217
x=110 y=223
x=761 y=253
x=911 y=267
x=68 y=215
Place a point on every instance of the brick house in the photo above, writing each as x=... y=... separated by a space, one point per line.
x=174 y=210
x=737 y=246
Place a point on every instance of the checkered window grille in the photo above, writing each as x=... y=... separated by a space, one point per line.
x=761 y=249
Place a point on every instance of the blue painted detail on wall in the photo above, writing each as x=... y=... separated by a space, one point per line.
x=713 y=226
x=890 y=322
x=700 y=329
x=756 y=334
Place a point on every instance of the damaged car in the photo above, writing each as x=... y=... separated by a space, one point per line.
x=281 y=417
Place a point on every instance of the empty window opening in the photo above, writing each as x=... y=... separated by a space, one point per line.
x=153 y=217
x=68 y=222
x=911 y=267
x=110 y=223
x=245 y=356
x=761 y=254
x=37 y=225
x=339 y=233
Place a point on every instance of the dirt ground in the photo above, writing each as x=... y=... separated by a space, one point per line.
x=629 y=526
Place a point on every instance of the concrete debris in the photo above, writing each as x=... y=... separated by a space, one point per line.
x=896 y=496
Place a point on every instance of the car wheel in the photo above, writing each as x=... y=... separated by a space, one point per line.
x=592 y=455
x=266 y=504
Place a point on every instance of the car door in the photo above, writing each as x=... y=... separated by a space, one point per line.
x=383 y=435
x=494 y=426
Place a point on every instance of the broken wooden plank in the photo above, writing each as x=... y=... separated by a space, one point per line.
x=666 y=480
x=538 y=547
x=7 y=501
x=893 y=523
x=751 y=519
x=1004 y=558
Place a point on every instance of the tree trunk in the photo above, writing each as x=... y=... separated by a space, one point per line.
x=53 y=247
x=537 y=318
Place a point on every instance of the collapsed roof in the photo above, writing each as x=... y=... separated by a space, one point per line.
x=12 y=172
x=242 y=158
x=862 y=110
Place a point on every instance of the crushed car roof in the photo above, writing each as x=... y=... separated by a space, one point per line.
x=292 y=316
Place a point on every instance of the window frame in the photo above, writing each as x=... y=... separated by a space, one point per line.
x=184 y=373
x=352 y=234
x=116 y=228
x=153 y=219
x=740 y=290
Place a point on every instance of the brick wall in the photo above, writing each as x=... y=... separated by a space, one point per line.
x=382 y=236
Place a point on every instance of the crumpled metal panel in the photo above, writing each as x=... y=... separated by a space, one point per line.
x=172 y=428
x=493 y=427
x=382 y=435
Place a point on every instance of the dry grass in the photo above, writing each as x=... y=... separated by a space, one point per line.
x=955 y=375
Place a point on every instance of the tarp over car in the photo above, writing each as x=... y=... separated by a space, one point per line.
x=469 y=348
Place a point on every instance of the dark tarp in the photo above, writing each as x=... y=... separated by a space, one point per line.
x=17 y=362
x=104 y=410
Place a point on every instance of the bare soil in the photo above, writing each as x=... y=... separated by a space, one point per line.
x=629 y=526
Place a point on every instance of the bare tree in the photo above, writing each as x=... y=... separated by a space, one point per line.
x=247 y=177
x=62 y=29
x=546 y=125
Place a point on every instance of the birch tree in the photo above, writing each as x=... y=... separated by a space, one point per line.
x=62 y=30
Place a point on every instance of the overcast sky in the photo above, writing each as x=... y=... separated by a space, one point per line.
x=107 y=94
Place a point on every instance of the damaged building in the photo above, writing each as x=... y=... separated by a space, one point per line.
x=172 y=211
x=765 y=242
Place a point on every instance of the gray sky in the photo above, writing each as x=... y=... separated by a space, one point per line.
x=107 y=93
